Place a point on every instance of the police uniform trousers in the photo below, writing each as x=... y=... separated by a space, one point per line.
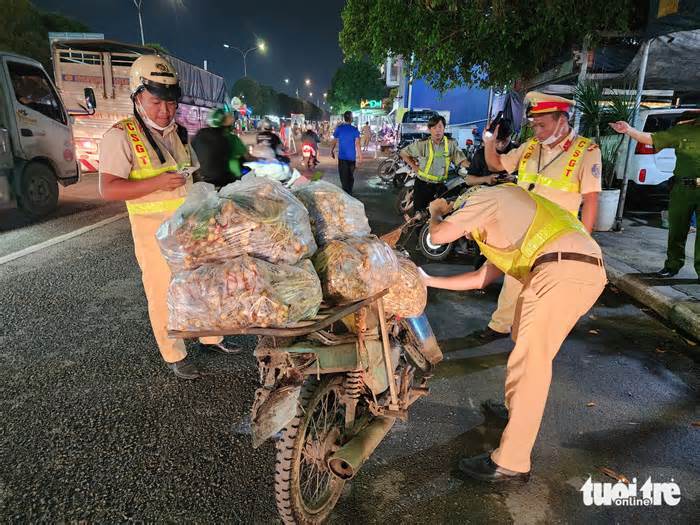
x=554 y=296
x=684 y=200
x=155 y=274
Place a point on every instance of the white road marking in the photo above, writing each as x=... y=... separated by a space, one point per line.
x=60 y=238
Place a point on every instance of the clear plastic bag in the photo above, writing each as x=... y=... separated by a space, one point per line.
x=408 y=294
x=243 y=292
x=254 y=216
x=333 y=213
x=355 y=268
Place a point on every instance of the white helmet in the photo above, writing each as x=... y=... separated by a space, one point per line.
x=155 y=74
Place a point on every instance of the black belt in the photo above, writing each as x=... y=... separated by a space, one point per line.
x=566 y=256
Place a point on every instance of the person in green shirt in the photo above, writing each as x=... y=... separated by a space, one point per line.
x=219 y=150
x=685 y=193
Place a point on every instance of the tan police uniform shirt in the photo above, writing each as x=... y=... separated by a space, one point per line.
x=503 y=214
x=421 y=150
x=589 y=171
x=117 y=155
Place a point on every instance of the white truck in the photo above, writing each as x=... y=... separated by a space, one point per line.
x=36 y=143
x=104 y=65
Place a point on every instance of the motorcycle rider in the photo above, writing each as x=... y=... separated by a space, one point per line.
x=311 y=138
x=430 y=159
x=267 y=137
x=219 y=150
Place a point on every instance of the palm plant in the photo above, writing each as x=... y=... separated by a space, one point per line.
x=597 y=110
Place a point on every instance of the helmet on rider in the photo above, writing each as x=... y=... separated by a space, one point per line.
x=264 y=125
x=221 y=117
x=156 y=75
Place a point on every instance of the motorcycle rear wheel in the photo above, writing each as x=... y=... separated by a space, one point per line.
x=306 y=491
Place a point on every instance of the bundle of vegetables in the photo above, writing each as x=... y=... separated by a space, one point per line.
x=355 y=268
x=333 y=213
x=253 y=216
x=243 y=292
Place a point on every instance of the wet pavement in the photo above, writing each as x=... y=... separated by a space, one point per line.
x=95 y=429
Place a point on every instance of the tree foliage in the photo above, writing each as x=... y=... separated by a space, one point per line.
x=158 y=48
x=353 y=81
x=266 y=101
x=25 y=29
x=480 y=42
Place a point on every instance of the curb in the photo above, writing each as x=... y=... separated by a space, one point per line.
x=681 y=310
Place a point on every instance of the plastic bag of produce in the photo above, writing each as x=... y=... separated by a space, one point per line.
x=407 y=295
x=355 y=268
x=253 y=216
x=241 y=293
x=333 y=213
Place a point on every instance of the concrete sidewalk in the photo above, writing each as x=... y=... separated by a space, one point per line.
x=633 y=255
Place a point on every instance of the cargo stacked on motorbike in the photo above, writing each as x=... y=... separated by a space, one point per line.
x=243 y=292
x=355 y=268
x=333 y=213
x=408 y=294
x=238 y=258
x=253 y=216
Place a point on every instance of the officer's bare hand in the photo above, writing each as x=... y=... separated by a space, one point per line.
x=620 y=126
x=439 y=207
x=170 y=180
x=424 y=276
x=488 y=137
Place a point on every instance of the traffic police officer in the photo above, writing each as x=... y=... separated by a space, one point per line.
x=685 y=194
x=556 y=163
x=560 y=271
x=430 y=159
x=140 y=159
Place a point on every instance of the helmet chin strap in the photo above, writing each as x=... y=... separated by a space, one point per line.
x=147 y=120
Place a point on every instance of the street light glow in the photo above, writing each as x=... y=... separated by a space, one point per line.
x=307 y=82
x=286 y=81
x=226 y=46
x=311 y=94
x=261 y=46
x=325 y=95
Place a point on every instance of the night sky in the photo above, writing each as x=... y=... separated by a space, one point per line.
x=301 y=41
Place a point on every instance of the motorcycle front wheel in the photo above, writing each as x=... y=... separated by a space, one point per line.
x=430 y=250
x=386 y=170
x=306 y=491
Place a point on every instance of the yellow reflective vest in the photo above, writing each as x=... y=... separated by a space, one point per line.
x=550 y=222
x=425 y=172
x=159 y=201
x=568 y=179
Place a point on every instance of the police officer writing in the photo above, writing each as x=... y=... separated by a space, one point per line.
x=430 y=159
x=142 y=162
x=685 y=194
x=556 y=163
x=560 y=271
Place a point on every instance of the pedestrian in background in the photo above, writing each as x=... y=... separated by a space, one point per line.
x=347 y=138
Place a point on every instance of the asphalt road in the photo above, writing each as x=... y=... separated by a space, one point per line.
x=95 y=429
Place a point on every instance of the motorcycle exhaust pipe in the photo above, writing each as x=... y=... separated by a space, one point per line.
x=424 y=336
x=347 y=461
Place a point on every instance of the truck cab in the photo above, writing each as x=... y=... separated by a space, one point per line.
x=36 y=144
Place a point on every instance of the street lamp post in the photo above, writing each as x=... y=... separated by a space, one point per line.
x=139 y=4
x=260 y=45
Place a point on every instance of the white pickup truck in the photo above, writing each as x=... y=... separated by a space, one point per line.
x=36 y=143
